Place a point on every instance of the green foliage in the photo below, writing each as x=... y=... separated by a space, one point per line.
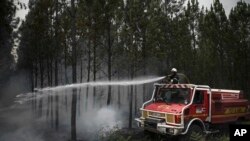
x=218 y=138
x=240 y=44
x=114 y=134
x=7 y=24
x=117 y=137
x=118 y=39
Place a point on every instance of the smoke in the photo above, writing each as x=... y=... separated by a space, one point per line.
x=22 y=134
x=96 y=124
x=16 y=84
x=19 y=124
x=35 y=118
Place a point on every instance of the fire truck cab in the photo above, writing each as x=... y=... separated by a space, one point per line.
x=180 y=109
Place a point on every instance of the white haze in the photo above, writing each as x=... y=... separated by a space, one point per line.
x=20 y=125
x=99 y=123
x=95 y=120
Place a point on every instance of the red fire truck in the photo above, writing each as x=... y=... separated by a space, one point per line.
x=187 y=109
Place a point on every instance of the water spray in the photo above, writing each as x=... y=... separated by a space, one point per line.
x=41 y=92
x=101 y=83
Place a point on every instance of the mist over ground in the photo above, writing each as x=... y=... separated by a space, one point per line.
x=34 y=119
x=18 y=124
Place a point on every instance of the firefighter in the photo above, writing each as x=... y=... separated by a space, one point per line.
x=173 y=77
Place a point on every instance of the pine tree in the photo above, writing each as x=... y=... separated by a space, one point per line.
x=239 y=48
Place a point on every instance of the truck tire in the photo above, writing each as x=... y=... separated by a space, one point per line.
x=150 y=135
x=194 y=133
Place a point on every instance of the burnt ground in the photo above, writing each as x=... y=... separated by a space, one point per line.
x=16 y=124
x=136 y=134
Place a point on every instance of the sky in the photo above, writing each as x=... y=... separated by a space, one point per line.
x=227 y=4
x=22 y=12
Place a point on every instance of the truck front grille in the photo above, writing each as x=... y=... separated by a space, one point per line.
x=152 y=122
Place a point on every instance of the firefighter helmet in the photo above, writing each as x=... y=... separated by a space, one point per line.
x=174 y=70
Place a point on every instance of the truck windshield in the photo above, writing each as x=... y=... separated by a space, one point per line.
x=172 y=95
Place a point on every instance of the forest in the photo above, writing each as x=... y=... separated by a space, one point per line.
x=74 y=41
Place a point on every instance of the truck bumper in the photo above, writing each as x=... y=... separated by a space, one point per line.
x=159 y=127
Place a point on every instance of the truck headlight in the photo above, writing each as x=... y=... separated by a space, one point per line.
x=144 y=114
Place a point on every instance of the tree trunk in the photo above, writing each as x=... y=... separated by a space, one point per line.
x=130 y=107
x=56 y=72
x=35 y=85
x=40 y=105
x=74 y=58
x=51 y=111
x=49 y=83
x=41 y=72
x=56 y=65
x=94 y=67
x=51 y=96
x=88 y=74
x=65 y=63
x=48 y=71
x=66 y=101
x=81 y=69
x=56 y=96
x=31 y=76
x=135 y=100
x=73 y=115
x=109 y=61
x=36 y=73
x=144 y=63
x=119 y=93
x=79 y=102
x=51 y=72
x=131 y=96
x=79 y=94
x=57 y=111
x=48 y=108
x=32 y=86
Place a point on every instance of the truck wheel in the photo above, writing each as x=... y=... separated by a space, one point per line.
x=148 y=133
x=195 y=133
x=151 y=135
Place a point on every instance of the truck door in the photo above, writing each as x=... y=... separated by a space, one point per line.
x=200 y=106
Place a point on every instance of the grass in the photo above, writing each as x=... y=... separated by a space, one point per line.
x=120 y=135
